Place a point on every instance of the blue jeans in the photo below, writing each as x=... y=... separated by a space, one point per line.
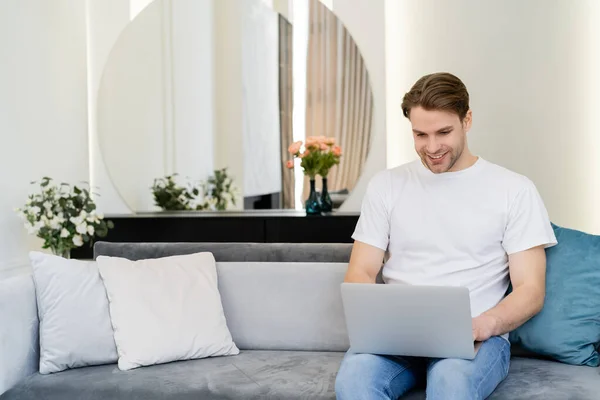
x=368 y=376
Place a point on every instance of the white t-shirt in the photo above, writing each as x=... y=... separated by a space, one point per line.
x=455 y=228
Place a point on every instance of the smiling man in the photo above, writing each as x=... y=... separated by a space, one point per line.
x=449 y=218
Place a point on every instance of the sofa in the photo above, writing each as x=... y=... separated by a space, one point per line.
x=283 y=308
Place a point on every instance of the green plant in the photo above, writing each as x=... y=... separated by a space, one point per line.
x=218 y=192
x=64 y=217
x=169 y=195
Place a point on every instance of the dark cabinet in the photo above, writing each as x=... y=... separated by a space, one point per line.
x=266 y=226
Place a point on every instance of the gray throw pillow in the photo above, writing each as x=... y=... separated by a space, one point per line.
x=75 y=326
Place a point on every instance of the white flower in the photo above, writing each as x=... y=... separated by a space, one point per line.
x=64 y=233
x=81 y=228
x=47 y=205
x=90 y=230
x=77 y=240
x=31 y=229
x=50 y=214
x=55 y=223
x=76 y=220
x=34 y=228
x=34 y=210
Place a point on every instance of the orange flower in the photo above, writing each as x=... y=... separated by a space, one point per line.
x=294 y=147
x=337 y=151
x=289 y=164
x=302 y=155
x=324 y=146
x=330 y=140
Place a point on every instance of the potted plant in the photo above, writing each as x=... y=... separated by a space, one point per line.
x=64 y=217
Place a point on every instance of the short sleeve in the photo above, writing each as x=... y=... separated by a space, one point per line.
x=528 y=224
x=373 y=226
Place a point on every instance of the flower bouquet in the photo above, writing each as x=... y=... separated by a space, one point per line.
x=319 y=156
x=64 y=217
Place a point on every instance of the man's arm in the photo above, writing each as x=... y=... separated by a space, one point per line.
x=365 y=263
x=528 y=276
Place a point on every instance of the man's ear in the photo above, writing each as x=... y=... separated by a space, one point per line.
x=468 y=121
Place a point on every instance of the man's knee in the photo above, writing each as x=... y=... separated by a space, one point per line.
x=365 y=376
x=451 y=379
x=355 y=376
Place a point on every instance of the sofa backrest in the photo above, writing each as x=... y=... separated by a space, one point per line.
x=275 y=296
x=277 y=252
x=284 y=306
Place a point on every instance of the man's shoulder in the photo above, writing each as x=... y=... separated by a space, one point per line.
x=384 y=181
x=506 y=176
x=402 y=170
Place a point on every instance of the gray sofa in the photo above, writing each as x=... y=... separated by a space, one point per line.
x=287 y=321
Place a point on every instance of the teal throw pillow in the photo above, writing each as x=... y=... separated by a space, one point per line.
x=568 y=327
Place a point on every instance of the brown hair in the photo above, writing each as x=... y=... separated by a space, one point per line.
x=440 y=91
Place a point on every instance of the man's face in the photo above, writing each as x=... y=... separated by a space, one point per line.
x=440 y=138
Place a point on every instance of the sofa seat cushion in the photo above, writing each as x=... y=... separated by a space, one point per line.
x=277 y=375
x=248 y=375
x=533 y=379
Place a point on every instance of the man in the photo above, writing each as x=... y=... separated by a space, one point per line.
x=449 y=218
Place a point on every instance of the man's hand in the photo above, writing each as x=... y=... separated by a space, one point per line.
x=484 y=327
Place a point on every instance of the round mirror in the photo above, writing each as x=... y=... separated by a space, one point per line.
x=200 y=101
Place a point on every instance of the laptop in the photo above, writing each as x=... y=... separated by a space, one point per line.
x=409 y=320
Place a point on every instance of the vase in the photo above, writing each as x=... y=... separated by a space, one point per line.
x=313 y=203
x=326 y=203
x=62 y=253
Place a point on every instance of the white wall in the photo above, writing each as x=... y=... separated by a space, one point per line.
x=364 y=19
x=43 y=109
x=135 y=6
x=531 y=68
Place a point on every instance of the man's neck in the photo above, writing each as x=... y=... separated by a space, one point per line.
x=466 y=160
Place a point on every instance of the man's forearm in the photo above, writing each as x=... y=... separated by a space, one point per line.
x=359 y=276
x=516 y=309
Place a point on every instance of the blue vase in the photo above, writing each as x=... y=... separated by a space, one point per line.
x=313 y=204
x=326 y=203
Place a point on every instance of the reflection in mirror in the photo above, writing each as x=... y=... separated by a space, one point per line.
x=338 y=98
x=194 y=88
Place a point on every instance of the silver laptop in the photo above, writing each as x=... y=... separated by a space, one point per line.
x=407 y=320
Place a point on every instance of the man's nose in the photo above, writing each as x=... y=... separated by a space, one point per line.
x=433 y=146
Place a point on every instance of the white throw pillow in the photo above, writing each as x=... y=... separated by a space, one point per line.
x=165 y=309
x=75 y=327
